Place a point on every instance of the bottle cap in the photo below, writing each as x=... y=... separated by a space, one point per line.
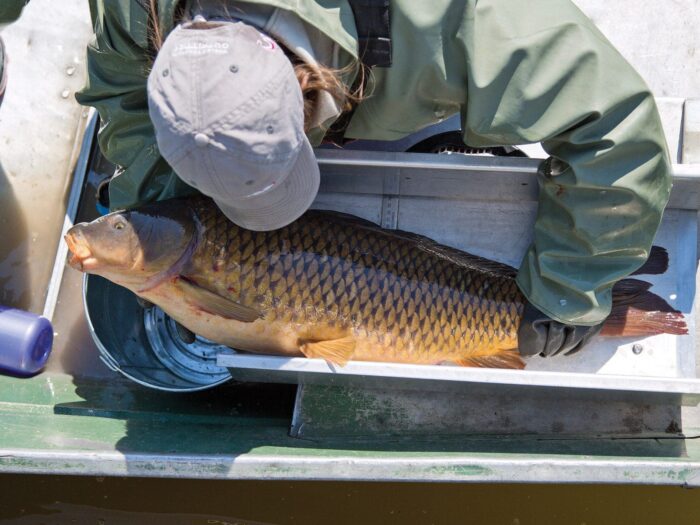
x=25 y=341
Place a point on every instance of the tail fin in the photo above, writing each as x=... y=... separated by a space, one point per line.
x=638 y=312
x=656 y=264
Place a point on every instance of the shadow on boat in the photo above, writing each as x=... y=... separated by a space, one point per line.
x=205 y=432
x=15 y=275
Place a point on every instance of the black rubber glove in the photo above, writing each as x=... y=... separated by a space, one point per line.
x=541 y=335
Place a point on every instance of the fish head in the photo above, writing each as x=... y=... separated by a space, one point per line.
x=129 y=247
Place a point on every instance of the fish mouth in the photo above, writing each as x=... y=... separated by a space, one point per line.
x=81 y=257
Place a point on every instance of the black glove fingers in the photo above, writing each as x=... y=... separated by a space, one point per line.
x=539 y=334
x=582 y=337
x=556 y=336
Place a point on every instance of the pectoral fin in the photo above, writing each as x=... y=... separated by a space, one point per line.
x=215 y=304
x=335 y=351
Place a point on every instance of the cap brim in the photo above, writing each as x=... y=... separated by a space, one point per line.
x=282 y=204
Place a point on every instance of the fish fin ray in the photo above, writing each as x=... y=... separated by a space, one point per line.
x=636 y=322
x=472 y=262
x=656 y=264
x=637 y=312
x=213 y=303
x=335 y=351
x=508 y=358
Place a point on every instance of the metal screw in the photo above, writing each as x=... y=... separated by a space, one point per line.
x=166 y=72
x=637 y=349
x=233 y=69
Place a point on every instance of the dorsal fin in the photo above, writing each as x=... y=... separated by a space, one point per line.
x=454 y=255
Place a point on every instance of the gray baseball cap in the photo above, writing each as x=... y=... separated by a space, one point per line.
x=228 y=115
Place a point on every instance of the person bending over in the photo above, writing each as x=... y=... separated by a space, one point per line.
x=227 y=98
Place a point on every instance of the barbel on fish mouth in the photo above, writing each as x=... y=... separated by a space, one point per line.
x=328 y=285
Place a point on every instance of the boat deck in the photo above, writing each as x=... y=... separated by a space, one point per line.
x=80 y=417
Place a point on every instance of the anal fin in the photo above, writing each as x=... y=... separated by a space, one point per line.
x=509 y=358
x=335 y=351
x=215 y=304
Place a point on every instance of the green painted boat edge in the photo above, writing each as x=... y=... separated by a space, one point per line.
x=51 y=425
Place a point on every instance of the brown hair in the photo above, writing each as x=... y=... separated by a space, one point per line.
x=312 y=78
x=155 y=33
x=316 y=78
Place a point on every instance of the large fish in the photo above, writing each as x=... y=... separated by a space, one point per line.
x=328 y=285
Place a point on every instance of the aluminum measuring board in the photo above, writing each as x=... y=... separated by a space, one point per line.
x=487 y=206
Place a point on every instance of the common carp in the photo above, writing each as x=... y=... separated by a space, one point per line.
x=329 y=285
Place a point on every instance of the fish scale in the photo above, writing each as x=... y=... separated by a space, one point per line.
x=397 y=294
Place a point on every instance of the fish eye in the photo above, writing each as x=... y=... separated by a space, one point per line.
x=119 y=225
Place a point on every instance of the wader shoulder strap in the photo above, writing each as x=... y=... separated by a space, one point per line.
x=373 y=24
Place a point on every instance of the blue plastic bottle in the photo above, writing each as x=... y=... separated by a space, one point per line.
x=25 y=341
